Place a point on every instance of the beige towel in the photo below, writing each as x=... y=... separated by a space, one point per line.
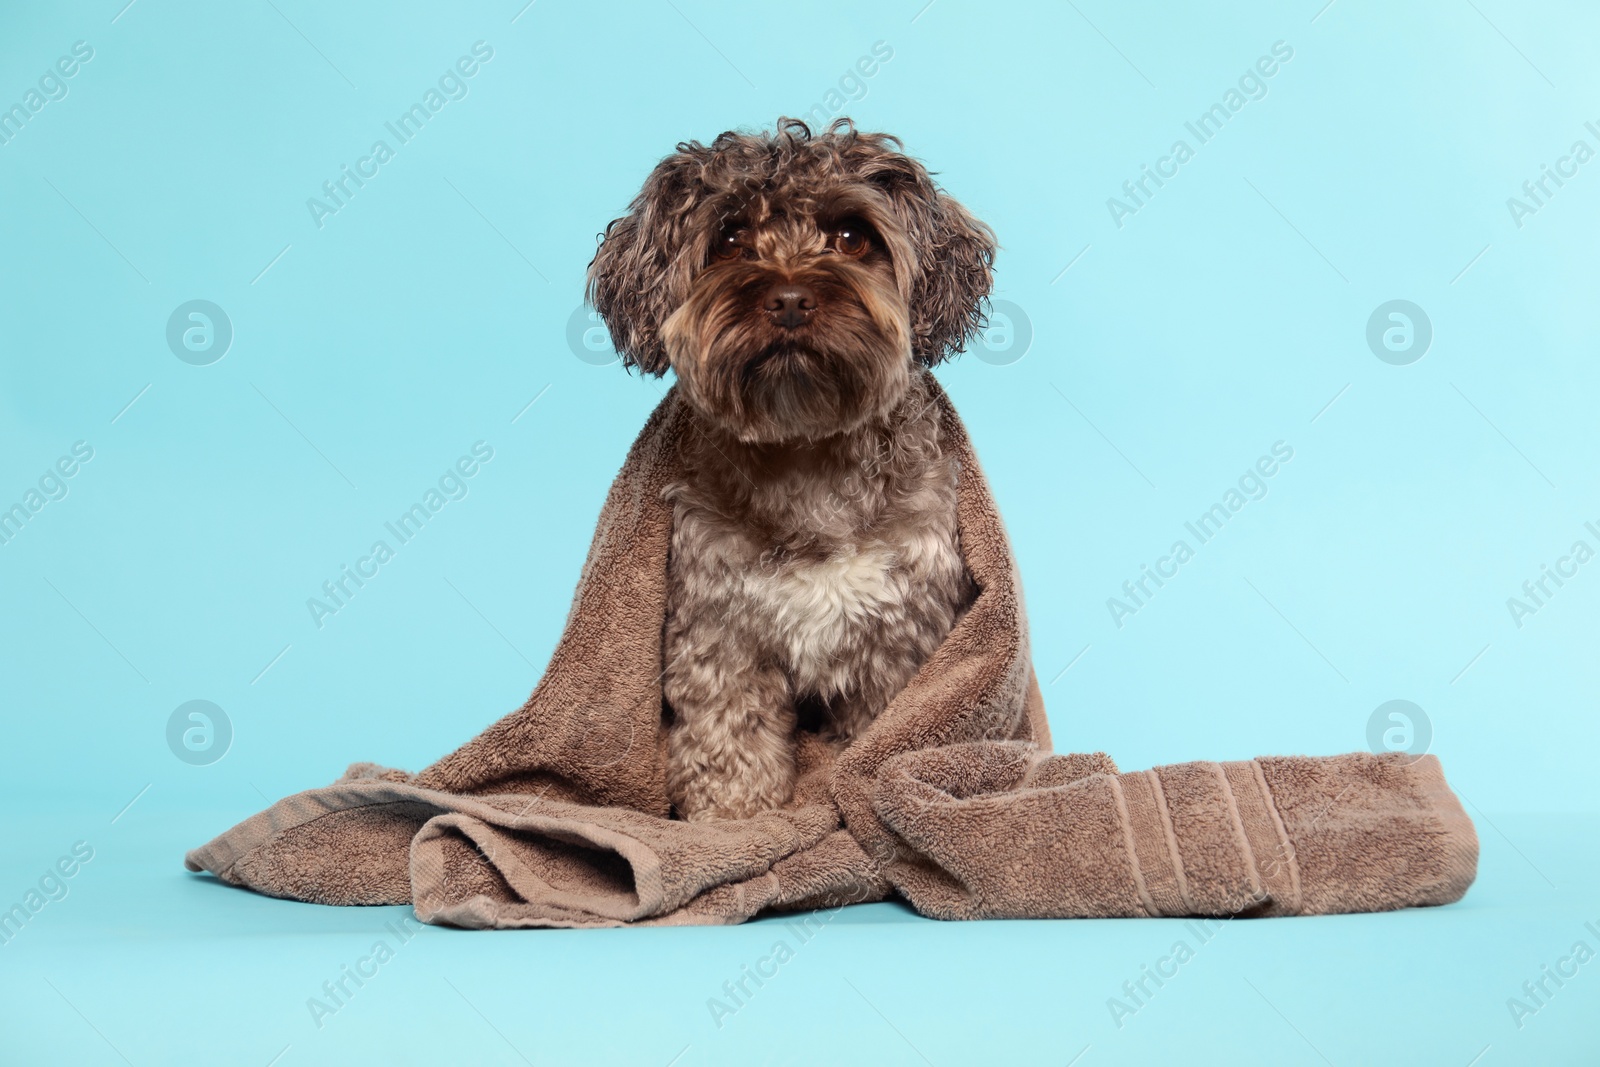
x=557 y=814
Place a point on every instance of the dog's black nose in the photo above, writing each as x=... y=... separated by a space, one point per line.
x=790 y=304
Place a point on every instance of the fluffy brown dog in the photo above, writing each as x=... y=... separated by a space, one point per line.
x=799 y=284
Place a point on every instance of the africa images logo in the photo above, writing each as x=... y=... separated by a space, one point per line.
x=452 y=85
x=1252 y=85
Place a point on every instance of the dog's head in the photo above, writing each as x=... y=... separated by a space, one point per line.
x=791 y=279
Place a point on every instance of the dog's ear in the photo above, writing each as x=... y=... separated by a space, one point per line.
x=954 y=253
x=640 y=270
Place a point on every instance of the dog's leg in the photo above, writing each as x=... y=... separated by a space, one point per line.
x=730 y=752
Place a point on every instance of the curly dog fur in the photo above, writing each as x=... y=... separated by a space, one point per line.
x=799 y=284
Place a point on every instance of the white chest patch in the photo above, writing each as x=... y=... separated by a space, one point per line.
x=820 y=611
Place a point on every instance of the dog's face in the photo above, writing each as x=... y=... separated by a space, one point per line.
x=790 y=280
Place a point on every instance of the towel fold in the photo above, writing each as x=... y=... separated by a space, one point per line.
x=1010 y=832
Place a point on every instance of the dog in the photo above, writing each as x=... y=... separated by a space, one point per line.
x=799 y=284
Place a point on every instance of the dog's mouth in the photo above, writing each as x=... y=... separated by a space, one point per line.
x=782 y=358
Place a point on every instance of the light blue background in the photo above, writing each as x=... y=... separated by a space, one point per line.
x=368 y=354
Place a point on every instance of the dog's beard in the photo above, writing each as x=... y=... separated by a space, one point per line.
x=763 y=383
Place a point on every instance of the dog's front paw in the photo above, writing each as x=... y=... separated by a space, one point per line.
x=716 y=812
x=704 y=801
x=703 y=794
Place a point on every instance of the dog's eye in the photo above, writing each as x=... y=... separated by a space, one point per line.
x=730 y=244
x=851 y=239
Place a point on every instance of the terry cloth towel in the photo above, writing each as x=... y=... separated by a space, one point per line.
x=557 y=814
